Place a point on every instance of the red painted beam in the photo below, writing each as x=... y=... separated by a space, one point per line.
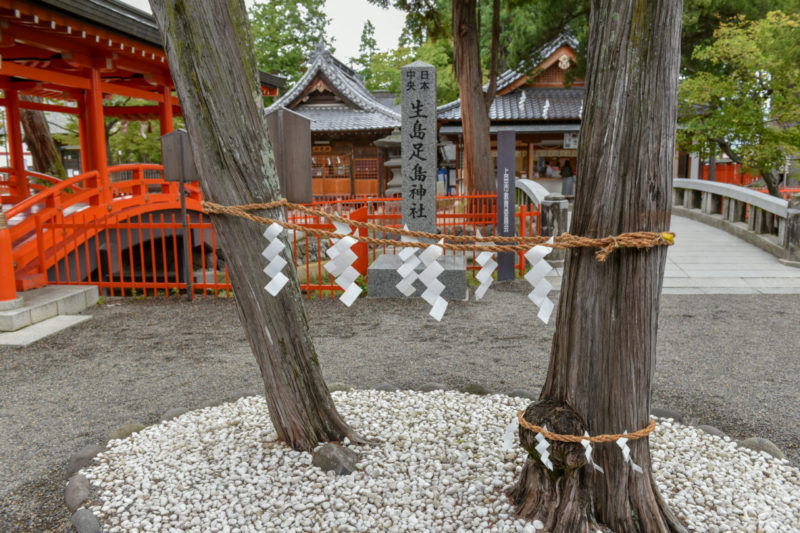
x=37 y=106
x=8 y=68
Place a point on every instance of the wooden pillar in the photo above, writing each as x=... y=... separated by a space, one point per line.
x=83 y=134
x=97 y=135
x=352 y=170
x=531 y=165
x=15 y=144
x=8 y=291
x=165 y=111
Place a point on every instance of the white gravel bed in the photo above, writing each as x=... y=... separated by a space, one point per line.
x=439 y=467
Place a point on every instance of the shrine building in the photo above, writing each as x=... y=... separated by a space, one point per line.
x=346 y=119
x=535 y=104
x=68 y=56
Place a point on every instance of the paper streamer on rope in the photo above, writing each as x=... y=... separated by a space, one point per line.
x=541 y=449
x=622 y=442
x=276 y=261
x=511 y=435
x=536 y=277
x=341 y=264
x=587 y=446
x=408 y=274
x=484 y=276
x=429 y=276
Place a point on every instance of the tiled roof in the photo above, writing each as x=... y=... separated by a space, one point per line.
x=452 y=110
x=120 y=17
x=367 y=113
x=510 y=76
x=530 y=104
x=339 y=117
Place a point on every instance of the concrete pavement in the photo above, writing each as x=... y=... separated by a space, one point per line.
x=706 y=260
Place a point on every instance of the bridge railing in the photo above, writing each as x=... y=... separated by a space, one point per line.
x=772 y=224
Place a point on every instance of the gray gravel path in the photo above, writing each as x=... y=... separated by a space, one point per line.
x=727 y=360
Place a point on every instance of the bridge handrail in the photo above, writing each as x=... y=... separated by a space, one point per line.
x=777 y=206
x=51 y=192
x=760 y=219
x=535 y=192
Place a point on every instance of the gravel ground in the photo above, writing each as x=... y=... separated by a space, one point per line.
x=726 y=360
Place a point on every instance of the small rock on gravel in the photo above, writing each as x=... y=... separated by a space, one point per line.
x=711 y=430
x=77 y=492
x=667 y=413
x=85 y=522
x=387 y=387
x=175 y=412
x=332 y=457
x=760 y=444
x=475 y=388
x=124 y=431
x=82 y=458
x=428 y=387
x=338 y=386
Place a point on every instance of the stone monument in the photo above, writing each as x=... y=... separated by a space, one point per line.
x=418 y=111
x=418 y=204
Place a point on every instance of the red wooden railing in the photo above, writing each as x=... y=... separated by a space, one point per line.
x=65 y=234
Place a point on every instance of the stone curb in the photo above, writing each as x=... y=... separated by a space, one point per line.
x=78 y=490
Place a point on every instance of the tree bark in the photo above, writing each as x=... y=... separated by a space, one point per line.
x=46 y=158
x=603 y=354
x=478 y=172
x=210 y=53
x=491 y=90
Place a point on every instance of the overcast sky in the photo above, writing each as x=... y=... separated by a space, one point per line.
x=347 y=21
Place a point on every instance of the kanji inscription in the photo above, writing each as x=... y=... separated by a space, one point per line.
x=418 y=82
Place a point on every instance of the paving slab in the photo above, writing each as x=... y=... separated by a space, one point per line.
x=35 y=332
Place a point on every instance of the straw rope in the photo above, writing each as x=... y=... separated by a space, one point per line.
x=578 y=438
x=606 y=245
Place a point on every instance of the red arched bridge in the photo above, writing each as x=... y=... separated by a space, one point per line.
x=133 y=241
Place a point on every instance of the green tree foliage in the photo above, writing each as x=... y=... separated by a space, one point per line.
x=127 y=141
x=747 y=102
x=384 y=68
x=366 y=51
x=526 y=25
x=285 y=33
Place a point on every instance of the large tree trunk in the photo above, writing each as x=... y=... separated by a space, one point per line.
x=603 y=354
x=210 y=53
x=478 y=170
x=46 y=158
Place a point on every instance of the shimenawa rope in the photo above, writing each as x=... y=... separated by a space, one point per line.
x=578 y=438
x=606 y=245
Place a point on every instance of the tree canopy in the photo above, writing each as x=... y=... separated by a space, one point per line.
x=285 y=33
x=746 y=102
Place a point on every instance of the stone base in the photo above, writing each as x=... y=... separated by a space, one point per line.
x=382 y=277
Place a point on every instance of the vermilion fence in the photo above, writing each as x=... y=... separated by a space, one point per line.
x=144 y=254
x=134 y=243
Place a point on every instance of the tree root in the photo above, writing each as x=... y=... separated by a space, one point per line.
x=566 y=499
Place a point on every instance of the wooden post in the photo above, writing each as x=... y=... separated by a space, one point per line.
x=8 y=290
x=210 y=53
x=15 y=144
x=97 y=135
x=83 y=134
x=165 y=111
x=531 y=164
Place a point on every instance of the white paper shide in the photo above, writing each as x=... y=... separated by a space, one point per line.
x=341 y=262
x=273 y=253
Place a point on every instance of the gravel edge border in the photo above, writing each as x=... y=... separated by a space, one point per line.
x=85 y=521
